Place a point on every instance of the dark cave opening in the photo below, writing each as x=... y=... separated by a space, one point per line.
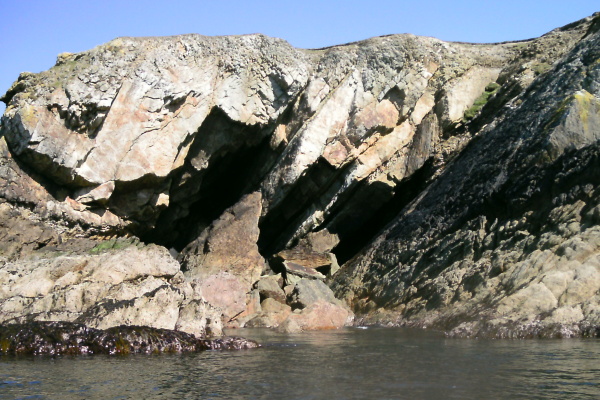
x=373 y=208
x=282 y=221
x=239 y=156
x=362 y=212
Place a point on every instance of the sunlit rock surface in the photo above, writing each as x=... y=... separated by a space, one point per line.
x=505 y=243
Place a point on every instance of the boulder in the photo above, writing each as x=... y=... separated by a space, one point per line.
x=305 y=257
x=272 y=314
x=228 y=245
x=294 y=272
x=252 y=309
x=310 y=258
x=269 y=286
x=309 y=291
x=321 y=241
x=225 y=291
x=319 y=315
x=199 y=318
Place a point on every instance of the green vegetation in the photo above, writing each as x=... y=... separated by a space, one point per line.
x=472 y=111
x=584 y=100
x=122 y=346
x=540 y=68
x=559 y=112
x=113 y=244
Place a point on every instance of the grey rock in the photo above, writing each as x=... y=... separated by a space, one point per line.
x=309 y=291
x=269 y=286
x=115 y=282
x=477 y=221
x=272 y=314
x=137 y=130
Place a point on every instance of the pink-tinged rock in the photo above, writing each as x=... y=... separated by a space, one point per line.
x=299 y=270
x=228 y=245
x=225 y=291
x=253 y=308
x=272 y=315
x=318 y=316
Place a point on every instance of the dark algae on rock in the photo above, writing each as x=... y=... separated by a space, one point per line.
x=65 y=338
x=193 y=183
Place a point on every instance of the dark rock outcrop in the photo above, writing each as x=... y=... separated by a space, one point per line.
x=62 y=338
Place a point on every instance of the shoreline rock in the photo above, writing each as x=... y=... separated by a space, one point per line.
x=63 y=338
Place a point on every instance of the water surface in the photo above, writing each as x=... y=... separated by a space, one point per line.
x=375 y=363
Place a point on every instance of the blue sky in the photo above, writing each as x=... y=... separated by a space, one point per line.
x=33 y=32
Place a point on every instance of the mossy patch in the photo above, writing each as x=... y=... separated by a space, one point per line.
x=472 y=111
x=113 y=244
x=122 y=346
x=4 y=346
x=28 y=115
x=540 y=68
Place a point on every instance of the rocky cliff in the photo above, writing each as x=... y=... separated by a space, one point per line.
x=221 y=180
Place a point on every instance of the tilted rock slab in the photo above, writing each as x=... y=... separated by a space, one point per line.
x=223 y=263
x=506 y=242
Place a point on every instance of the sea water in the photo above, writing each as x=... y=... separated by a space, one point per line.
x=351 y=363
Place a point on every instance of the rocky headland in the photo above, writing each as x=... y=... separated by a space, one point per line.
x=193 y=183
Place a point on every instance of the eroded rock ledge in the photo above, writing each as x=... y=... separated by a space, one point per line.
x=194 y=182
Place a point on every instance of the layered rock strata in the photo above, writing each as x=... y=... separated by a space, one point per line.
x=248 y=158
x=505 y=242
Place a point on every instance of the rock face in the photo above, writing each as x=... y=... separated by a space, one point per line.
x=228 y=245
x=223 y=262
x=505 y=243
x=455 y=182
x=166 y=133
x=112 y=283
